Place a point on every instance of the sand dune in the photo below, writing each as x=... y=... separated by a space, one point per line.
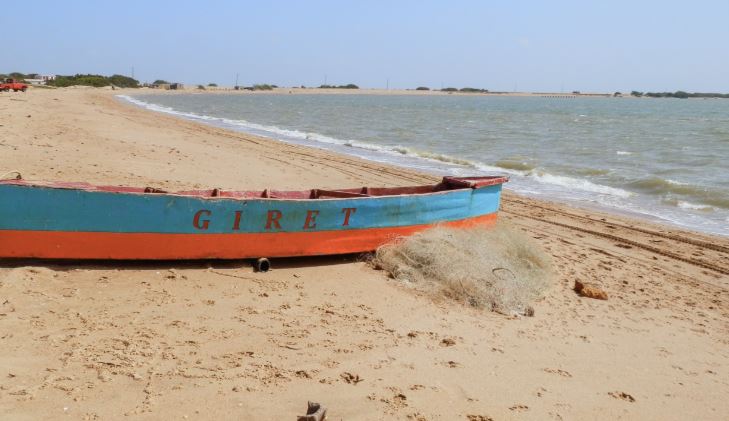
x=212 y=340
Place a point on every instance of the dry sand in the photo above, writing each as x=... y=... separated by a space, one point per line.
x=216 y=341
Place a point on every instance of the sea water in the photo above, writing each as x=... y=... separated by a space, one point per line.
x=667 y=159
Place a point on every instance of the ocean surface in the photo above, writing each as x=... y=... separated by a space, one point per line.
x=665 y=159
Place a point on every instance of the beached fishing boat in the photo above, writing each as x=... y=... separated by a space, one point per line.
x=82 y=221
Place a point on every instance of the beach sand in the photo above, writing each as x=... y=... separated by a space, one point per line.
x=213 y=340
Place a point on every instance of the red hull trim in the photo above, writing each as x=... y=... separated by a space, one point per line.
x=153 y=246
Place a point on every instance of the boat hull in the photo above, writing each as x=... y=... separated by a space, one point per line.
x=39 y=221
x=156 y=246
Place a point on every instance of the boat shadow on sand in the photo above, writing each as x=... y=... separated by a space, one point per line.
x=63 y=265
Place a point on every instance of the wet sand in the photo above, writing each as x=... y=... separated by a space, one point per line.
x=213 y=340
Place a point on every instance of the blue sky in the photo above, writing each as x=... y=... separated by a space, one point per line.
x=496 y=45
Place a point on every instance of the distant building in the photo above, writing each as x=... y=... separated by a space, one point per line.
x=41 y=79
x=168 y=86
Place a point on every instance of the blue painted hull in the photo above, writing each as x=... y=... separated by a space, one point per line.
x=75 y=220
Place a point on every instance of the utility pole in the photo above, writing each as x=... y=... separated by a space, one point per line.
x=325 y=78
x=388 y=83
x=236 y=80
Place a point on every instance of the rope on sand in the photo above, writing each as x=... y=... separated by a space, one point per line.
x=7 y=175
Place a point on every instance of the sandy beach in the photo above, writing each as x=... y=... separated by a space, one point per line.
x=214 y=340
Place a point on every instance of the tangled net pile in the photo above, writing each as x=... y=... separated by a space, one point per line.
x=498 y=269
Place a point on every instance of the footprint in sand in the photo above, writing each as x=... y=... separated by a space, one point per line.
x=562 y=373
x=351 y=378
x=622 y=396
x=447 y=342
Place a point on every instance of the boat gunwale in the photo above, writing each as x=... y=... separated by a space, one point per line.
x=488 y=181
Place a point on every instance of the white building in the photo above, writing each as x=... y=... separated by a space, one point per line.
x=41 y=79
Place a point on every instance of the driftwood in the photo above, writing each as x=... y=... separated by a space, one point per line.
x=314 y=412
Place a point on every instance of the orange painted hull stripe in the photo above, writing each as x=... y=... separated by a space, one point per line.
x=155 y=246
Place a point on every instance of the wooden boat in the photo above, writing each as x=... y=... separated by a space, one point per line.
x=82 y=221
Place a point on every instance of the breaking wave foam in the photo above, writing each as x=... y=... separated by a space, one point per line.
x=580 y=184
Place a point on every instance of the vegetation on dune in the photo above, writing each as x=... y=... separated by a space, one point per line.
x=422 y=88
x=160 y=82
x=467 y=90
x=19 y=76
x=679 y=94
x=213 y=85
x=94 y=80
x=474 y=90
x=123 y=81
x=348 y=86
x=263 y=87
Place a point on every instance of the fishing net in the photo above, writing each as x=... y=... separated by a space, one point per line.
x=499 y=269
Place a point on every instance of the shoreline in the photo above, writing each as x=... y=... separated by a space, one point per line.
x=158 y=340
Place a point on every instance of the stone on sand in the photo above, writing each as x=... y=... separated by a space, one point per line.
x=590 y=290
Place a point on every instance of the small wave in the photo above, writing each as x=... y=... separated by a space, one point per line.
x=168 y=110
x=659 y=186
x=670 y=188
x=623 y=153
x=444 y=158
x=514 y=165
x=692 y=206
x=591 y=171
x=494 y=169
x=580 y=184
x=682 y=204
x=432 y=156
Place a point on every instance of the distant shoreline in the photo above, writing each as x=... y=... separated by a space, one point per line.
x=378 y=91
x=195 y=89
x=364 y=91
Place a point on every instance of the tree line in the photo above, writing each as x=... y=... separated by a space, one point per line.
x=678 y=94
x=94 y=80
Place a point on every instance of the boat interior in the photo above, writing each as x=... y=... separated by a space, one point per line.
x=448 y=183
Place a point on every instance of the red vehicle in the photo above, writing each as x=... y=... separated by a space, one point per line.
x=13 y=84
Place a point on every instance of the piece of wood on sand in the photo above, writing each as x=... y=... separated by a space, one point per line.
x=590 y=290
x=314 y=412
